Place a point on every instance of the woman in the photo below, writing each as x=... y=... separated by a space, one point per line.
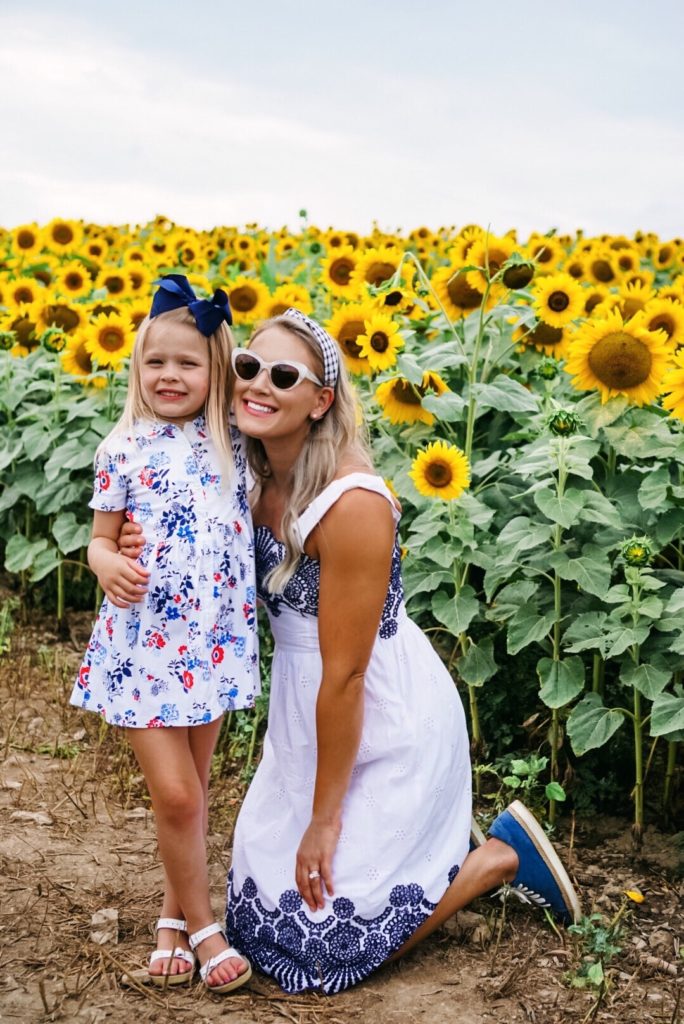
x=352 y=842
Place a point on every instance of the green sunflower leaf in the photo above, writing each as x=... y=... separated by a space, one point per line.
x=478 y=665
x=667 y=714
x=527 y=627
x=591 y=725
x=506 y=395
x=653 y=491
x=591 y=571
x=563 y=509
x=456 y=612
x=646 y=679
x=561 y=681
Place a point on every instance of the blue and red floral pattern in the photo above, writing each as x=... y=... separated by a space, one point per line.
x=189 y=651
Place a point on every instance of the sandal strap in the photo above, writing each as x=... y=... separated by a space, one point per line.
x=204 y=933
x=172 y=922
x=169 y=954
x=214 y=961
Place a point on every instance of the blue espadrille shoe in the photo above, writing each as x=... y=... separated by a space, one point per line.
x=541 y=878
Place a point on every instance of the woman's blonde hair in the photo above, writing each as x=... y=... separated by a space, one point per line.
x=219 y=397
x=335 y=435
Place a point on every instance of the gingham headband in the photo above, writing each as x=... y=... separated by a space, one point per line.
x=329 y=347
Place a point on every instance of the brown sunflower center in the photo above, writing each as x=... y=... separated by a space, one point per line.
x=495 y=259
x=630 y=307
x=112 y=339
x=438 y=474
x=73 y=281
x=664 y=255
x=26 y=240
x=603 y=271
x=340 y=270
x=82 y=359
x=558 y=301
x=378 y=272
x=544 y=334
x=62 y=234
x=23 y=294
x=592 y=302
x=348 y=335
x=662 y=322
x=243 y=299
x=543 y=254
x=278 y=308
x=518 y=275
x=393 y=298
x=114 y=284
x=43 y=275
x=406 y=393
x=61 y=316
x=461 y=294
x=136 y=279
x=379 y=341
x=575 y=269
x=24 y=328
x=620 y=360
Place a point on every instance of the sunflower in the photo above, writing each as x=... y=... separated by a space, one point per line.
x=114 y=280
x=488 y=253
x=22 y=291
x=248 y=297
x=575 y=266
x=376 y=265
x=558 y=299
x=380 y=341
x=134 y=254
x=109 y=339
x=285 y=247
x=455 y=292
x=287 y=295
x=665 y=315
x=337 y=270
x=53 y=312
x=77 y=361
x=552 y=341
x=619 y=359
x=401 y=401
x=601 y=268
x=73 y=279
x=346 y=325
x=673 y=387
x=22 y=321
x=545 y=250
x=139 y=280
x=594 y=295
x=136 y=311
x=27 y=239
x=664 y=255
x=95 y=249
x=62 y=235
x=245 y=247
x=440 y=471
x=632 y=298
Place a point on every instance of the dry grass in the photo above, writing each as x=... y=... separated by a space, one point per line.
x=77 y=836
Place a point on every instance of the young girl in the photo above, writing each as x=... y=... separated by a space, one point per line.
x=175 y=643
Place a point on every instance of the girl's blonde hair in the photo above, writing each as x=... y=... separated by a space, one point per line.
x=219 y=397
x=334 y=436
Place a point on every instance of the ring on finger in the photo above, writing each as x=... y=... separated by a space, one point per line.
x=314 y=874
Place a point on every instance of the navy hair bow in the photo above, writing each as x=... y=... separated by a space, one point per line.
x=175 y=291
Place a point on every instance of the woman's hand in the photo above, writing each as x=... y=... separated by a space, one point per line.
x=315 y=855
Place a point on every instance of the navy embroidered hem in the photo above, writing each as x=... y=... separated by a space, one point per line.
x=330 y=955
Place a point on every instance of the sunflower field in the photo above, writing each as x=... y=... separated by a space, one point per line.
x=525 y=401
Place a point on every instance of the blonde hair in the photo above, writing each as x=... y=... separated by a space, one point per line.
x=331 y=438
x=219 y=397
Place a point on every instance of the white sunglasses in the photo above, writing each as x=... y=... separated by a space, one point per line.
x=284 y=375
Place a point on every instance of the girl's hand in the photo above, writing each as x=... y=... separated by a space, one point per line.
x=123 y=581
x=315 y=854
x=130 y=540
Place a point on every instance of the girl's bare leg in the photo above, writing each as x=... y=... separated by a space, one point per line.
x=483 y=870
x=176 y=763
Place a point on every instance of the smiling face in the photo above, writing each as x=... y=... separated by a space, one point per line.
x=175 y=371
x=270 y=413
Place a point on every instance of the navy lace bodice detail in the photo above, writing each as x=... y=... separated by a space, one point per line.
x=301 y=592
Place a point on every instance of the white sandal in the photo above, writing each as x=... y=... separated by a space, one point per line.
x=213 y=961
x=169 y=954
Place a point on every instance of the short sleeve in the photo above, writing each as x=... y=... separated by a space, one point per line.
x=110 y=490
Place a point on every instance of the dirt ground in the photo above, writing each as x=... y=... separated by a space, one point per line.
x=77 y=838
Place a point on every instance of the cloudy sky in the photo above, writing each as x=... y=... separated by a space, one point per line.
x=529 y=113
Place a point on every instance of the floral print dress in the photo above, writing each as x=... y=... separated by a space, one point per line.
x=189 y=651
x=406 y=814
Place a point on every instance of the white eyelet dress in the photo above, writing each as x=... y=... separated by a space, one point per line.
x=406 y=815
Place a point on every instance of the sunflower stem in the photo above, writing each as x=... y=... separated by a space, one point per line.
x=598 y=675
x=669 y=774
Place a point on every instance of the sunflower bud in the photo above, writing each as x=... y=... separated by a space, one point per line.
x=637 y=551
x=518 y=275
x=562 y=424
x=8 y=340
x=53 y=339
x=547 y=369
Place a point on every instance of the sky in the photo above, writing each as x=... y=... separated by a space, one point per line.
x=525 y=114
